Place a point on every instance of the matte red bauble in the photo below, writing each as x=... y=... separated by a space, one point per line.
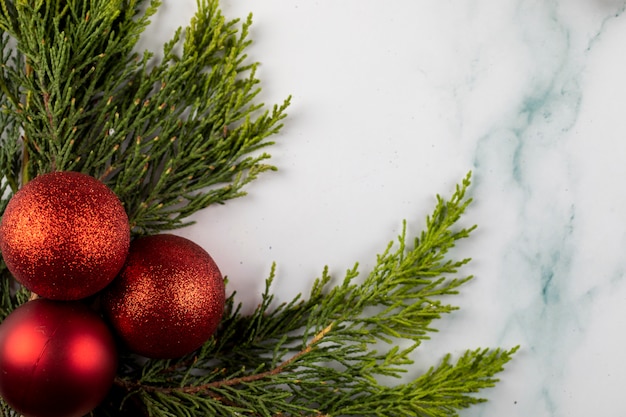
x=56 y=359
x=169 y=298
x=64 y=235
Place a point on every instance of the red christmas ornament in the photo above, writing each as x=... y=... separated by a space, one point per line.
x=169 y=298
x=64 y=235
x=56 y=359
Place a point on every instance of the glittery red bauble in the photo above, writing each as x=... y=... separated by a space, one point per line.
x=169 y=298
x=56 y=359
x=64 y=235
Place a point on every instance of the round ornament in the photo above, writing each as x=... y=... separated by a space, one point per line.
x=64 y=235
x=168 y=299
x=56 y=359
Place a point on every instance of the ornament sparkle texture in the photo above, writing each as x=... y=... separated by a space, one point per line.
x=57 y=359
x=168 y=299
x=64 y=235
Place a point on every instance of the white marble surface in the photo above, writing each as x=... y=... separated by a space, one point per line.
x=393 y=102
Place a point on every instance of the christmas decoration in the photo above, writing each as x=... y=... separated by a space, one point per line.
x=64 y=235
x=168 y=299
x=56 y=359
x=173 y=134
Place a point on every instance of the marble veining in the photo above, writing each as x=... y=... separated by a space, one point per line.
x=538 y=263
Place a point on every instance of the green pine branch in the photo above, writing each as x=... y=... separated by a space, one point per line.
x=173 y=135
x=326 y=355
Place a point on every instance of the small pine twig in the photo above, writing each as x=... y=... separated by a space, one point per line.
x=282 y=367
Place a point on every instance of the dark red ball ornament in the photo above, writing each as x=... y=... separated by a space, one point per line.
x=168 y=299
x=64 y=235
x=56 y=359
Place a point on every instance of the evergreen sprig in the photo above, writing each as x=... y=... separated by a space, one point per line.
x=174 y=134
x=325 y=355
x=170 y=136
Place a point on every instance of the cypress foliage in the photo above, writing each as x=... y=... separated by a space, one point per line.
x=174 y=135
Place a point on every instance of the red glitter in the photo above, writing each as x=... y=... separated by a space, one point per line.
x=169 y=298
x=64 y=235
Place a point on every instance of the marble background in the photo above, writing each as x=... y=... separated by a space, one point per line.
x=393 y=102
